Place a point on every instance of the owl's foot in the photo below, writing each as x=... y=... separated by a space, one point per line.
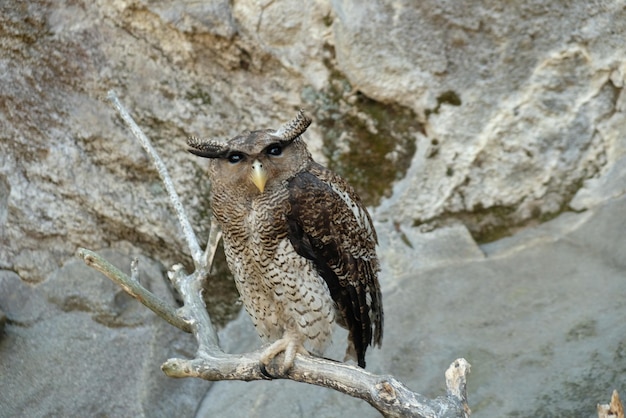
x=289 y=346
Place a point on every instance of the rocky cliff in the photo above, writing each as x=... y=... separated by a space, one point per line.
x=488 y=137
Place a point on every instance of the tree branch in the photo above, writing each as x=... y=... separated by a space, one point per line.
x=385 y=393
x=613 y=410
x=190 y=236
x=132 y=286
x=215 y=235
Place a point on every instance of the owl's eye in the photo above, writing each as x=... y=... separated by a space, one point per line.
x=235 y=157
x=274 y=149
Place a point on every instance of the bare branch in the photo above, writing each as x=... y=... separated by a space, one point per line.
x=456 y=382
x=385 y=393
x=613 y=410
x=211 y=248
x=194 y=310
x=134 y=270
x=133 y=288
x=190 y=236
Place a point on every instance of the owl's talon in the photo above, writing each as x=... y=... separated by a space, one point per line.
x=265 y=373
x=289 y=346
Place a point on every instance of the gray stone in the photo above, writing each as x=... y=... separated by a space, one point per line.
x=76 y=342
x=196 y=17
x=292 y=31
x=399 y=245
x=516 y=97
x=596 y=191
x=540 y=326
x=520 y=117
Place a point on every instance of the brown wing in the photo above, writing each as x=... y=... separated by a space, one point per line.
x=329 y=225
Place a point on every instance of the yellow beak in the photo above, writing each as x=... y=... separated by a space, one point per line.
x=258 y=175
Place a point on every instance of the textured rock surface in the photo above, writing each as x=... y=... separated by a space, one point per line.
x=509 y=114
x=539 y=317
x=77 y=344
x=520 y=100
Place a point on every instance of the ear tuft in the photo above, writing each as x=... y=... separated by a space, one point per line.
x=293 y=129
x=207 y=148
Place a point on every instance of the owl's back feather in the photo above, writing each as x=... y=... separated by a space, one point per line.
x=329 y=225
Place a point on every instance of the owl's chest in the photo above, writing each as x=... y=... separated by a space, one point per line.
x=263 y=225
x=261 y=259
x=252 y=233
x=258 y=220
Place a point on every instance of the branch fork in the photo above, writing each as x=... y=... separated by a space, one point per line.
x=385 y=393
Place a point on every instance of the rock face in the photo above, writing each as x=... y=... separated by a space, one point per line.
x=538 y=317
x=79 y=343
x=487 y=117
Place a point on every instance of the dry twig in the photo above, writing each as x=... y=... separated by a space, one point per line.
x=385 y=393
x=613 y=410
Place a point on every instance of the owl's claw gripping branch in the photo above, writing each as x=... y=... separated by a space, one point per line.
x=389 y=396
x=289 y=346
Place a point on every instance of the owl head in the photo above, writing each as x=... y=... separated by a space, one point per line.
x=254 y=161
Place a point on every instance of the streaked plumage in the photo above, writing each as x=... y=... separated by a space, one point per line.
x=298 y=240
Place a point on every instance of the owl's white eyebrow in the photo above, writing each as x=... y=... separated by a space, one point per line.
x=240 y=153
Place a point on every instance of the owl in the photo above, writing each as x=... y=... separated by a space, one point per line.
x=298 y=240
